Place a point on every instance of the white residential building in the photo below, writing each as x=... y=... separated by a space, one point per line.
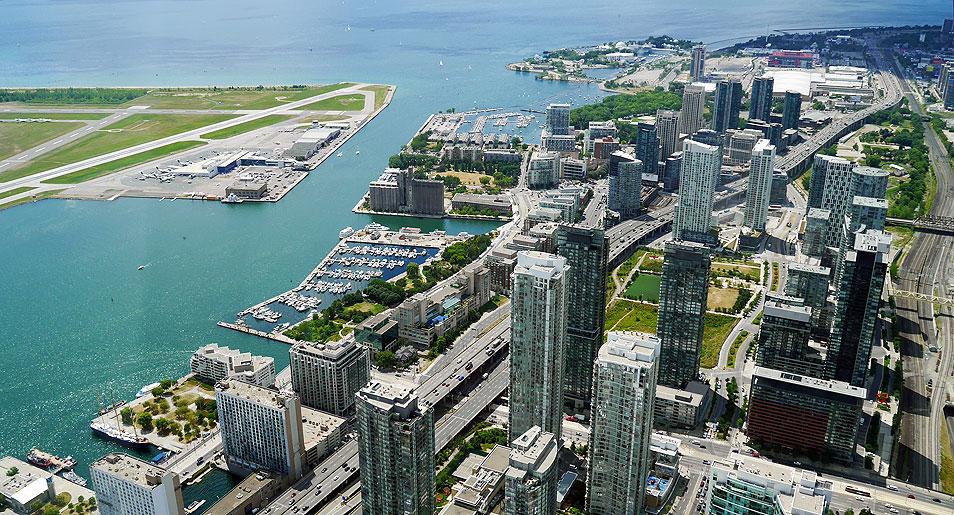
x=538 y=337
x=531 y=484
x=701 y=166
x=261 y=428
x=327 y=375
x=624 y=390
x=760 y=185
x=543 y=170
x=126 y=485
x=212 y=363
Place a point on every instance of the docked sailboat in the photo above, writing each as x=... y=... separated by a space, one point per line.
x=106 y=432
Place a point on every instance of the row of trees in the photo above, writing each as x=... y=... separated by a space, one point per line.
x=71 y=95
x=625 y=106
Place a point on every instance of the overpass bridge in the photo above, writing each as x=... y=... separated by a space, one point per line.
x=927 y=223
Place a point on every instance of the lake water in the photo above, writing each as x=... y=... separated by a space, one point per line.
x=78 y=318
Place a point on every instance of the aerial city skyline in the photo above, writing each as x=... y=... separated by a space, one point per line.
x=652 y=275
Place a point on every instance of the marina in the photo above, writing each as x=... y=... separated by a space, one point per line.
x=374 y=252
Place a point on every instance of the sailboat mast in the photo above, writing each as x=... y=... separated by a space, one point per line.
x=100 y=408
x=113 y=406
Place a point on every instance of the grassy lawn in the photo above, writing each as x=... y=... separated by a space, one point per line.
x=54 y=116
x=735 y=347
x=623 y=271
x=121 y=164
x=373 y=307
x=17 y=137
x=721 y=298
x=241 y=98
x=128 y=132
x=242 y=128
x=947 y=464
x=774 y=277
x=626 y=315
x=380 y=93
x=349 y=102
x=717 y=329
x=652 y=263
x=902 y=235
x=39 y=196
x=15 y=191
x=467 y=177
x=750 y=272
x=645 y=287
x=641 y=318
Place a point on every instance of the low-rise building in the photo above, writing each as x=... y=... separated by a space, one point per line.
x=544 y=170
x=572 y=169
x=246 y=190
x=212 y=363
x=501 y=263
x=541 y=215
x=682 y=408
x=252 y=493
x=752 y=486
x=377 y=332
x=311 y=141
x=126 y=485
x=22 y=489
x=497 y=204
x=427 y=316
x=321 y=432
x=664 y=472
x=484 y=487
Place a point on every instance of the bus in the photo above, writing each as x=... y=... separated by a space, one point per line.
x=857 y=491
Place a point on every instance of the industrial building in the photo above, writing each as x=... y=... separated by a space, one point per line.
x=397 y=190
x=499 y=204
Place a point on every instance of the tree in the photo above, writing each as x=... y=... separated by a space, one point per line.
x=12 y=471
x=384 y=359
x=145 y=421
x=62 y=499
x=157 y=391
x=413 y=270
x=485 y=180
x=166 y=384
x=127 y=415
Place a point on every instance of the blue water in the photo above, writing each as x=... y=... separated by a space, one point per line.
x=77 y=317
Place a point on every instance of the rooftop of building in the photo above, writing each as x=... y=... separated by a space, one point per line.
x=265 y=396
x=629 y=349
x=23 y=487
x=394 y=397
x=819 y=213
x=873 y=241
x=780 y=309
x=809 y=268
x=328 y=350
x=533 y=451
x=131 y=469
x=481 y=198
x=870 y=202
x=540 y=264
x=693 y=394
x=249 y=486
x=827 y=385
x=318 y=425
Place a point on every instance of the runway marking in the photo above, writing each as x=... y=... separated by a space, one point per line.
x=39 y=149
x=57 y=142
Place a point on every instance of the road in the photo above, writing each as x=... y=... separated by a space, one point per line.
x=928 y=259
x=805 y=150
x=35 y=180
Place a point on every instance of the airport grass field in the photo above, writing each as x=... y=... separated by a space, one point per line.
x=130 y=131
x=249 y=126
x=350 y=102
x=12 y=115
x=121 y=164
x=17 y=137
x=229 y=98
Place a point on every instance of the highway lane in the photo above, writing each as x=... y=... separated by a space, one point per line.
x=192 y=134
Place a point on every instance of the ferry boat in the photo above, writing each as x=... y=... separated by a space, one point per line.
x=121 y=437
x=45 y=459
x=146 y=389
x=194 y=506
x=73 y=477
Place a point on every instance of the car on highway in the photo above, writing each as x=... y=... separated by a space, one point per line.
x=336 y=478
x=324 y=469
x=460 y=378
x=571 y=418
